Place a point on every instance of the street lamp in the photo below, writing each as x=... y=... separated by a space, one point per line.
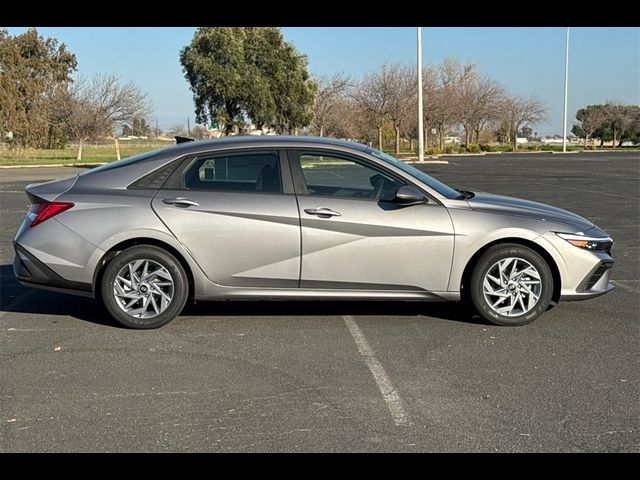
x=420 y=118
x=566 y=85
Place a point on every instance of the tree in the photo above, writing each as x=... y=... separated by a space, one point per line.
x=400 y=83
x=372 y=99
x=478 y=99
x=591 y=118
x=33 y=69
x=240 y=74
x=95 y=107
x=520 y=112
x=140 y=127
x=331 y=93
x=617 y=118
x=445 y=103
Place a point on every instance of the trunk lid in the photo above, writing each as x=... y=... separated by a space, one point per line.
x=49 y=191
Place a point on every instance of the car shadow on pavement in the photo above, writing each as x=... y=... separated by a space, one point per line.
x=19 y=299
x=15 y=298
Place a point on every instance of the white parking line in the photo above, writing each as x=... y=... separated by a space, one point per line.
x=389 y=393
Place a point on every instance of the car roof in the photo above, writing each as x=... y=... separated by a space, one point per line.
x=263 y=140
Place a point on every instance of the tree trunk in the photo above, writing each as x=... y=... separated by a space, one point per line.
x=411 y=144
x=322 y=130
x=615 y=134
x=79 y=156
x=466 y=136
x=440 y=133
x=379 y=137
x=397 y=149
x=515 y=140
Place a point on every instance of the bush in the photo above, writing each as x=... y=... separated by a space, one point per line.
x=473 y=148
x=433 y=151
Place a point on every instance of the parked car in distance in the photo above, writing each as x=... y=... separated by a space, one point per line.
x=298 y=218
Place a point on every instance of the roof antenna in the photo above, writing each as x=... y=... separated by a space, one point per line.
x=184 y=139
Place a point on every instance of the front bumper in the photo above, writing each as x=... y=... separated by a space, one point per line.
x=594 y=284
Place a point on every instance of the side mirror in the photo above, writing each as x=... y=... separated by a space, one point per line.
x=407 y=195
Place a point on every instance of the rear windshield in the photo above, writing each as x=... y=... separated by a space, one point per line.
x=127 y=161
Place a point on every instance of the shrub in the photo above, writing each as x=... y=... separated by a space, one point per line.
x=473 y=148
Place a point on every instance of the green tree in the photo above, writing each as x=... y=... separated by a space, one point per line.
x=33 y=70
x=240 y=74
x=140 y=127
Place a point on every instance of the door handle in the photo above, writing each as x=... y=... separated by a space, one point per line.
x=322 y=212
x=180 y=202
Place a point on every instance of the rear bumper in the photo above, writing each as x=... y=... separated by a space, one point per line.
x=31 y=272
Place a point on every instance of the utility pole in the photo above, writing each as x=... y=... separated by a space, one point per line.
x=188 y=126
x=420 y=116
x=566 y=86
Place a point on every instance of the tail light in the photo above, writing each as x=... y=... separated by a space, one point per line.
x=45 y=211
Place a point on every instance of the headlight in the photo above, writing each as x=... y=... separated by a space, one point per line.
x=588 y=243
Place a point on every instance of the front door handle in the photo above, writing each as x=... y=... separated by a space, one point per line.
x=322 y=212
x=180 y=202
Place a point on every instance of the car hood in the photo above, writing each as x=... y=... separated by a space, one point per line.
x=488 y=202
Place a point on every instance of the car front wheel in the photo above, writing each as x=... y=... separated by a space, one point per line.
x=144 y=287
x=511 y=285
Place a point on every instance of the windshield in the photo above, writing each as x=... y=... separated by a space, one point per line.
x=437 y=185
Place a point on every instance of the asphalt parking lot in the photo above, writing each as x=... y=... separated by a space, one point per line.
x=297 y=376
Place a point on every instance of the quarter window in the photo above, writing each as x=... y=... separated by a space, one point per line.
x=331 y=176
x=245 y=172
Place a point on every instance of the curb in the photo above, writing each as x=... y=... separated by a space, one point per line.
x=426 y=162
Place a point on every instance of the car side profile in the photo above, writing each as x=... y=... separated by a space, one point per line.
x=298 y=218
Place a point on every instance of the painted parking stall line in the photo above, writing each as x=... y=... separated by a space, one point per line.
x=389 y=393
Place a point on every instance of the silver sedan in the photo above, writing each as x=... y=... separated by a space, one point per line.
x=298 y=218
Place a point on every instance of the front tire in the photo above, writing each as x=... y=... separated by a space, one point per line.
x=511 y=285
x=144 y=287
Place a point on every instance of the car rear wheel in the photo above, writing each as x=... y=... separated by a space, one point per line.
x=144 y=287
x=511 y=285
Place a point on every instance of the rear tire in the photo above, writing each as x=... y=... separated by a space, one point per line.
x=511 y=285
x=144 y=287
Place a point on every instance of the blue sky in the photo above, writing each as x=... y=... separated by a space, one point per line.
x=604 y=63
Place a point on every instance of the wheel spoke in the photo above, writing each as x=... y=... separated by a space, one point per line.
x=154 y=304
x=494 y=279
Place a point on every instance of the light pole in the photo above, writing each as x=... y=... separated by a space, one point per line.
x=566 y=86
x=420 y=119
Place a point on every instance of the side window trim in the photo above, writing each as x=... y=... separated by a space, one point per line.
x=299 y=180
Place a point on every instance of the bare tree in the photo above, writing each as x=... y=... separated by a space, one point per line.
x=400 y=83
x=445 y=98
x=331 y=92
x=479 y=96
x=519 y=112
x=591 y=118
x=372 y=98
x=618 y=118
x=97 y=106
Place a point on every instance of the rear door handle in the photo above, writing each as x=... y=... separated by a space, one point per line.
x=180 y=202
x=322 y=212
